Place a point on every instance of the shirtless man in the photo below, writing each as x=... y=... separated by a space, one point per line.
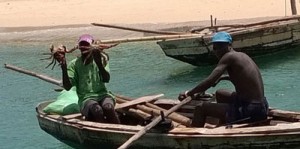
x=247 y=102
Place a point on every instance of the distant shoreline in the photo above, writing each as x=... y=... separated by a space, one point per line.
x=23 y=13
x=140 y=25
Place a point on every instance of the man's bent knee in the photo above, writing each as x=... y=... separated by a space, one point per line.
x=95 y=109
x=108 y=107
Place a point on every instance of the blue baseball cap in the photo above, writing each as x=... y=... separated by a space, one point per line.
x=221 y=37
x=87 y=38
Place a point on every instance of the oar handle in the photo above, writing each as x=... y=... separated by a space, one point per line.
x=40 y=76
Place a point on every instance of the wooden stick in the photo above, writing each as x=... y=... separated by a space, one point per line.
x=139 y=101
x=140 y=113
x=40 y=76
x=137 y=30
x=149 y=38
x=293 y=7
x=153 y=123
x=175 y=116
x=148 y=108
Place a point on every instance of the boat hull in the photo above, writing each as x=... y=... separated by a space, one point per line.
x=108 y=136
x=254 y=41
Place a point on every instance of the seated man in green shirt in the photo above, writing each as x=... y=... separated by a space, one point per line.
x=89 y=73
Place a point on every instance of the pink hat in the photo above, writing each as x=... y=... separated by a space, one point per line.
x=87 y=38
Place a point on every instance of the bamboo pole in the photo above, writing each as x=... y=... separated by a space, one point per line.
x=149 y=38
x=145 y=115
x=40 y=76
x=137 y=30
x=153 y=123
x=149 y=108
x=174 y=116
x=185 y=122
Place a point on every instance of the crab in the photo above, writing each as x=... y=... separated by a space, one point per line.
x=55 y=51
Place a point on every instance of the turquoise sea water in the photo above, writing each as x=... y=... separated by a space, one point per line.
x=137 y=69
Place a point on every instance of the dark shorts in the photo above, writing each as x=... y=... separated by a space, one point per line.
x=92 y=101
x=249 y=111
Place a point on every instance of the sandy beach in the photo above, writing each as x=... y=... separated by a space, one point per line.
x=18 y=13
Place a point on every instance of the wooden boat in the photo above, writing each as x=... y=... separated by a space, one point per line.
x=255 y=39
x=281 y=130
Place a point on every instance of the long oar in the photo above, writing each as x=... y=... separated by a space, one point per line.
x=137 y=30
x=40 y=76
x=153 y=123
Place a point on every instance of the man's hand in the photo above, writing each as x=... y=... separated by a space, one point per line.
x=97 y=55
x=60 y=54
x=182 y=96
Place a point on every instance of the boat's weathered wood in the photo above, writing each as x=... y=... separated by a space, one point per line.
x=256 y=39
x=177 y=118
x=151 y=108
x=54 y=116
x=258 y=123
x=140 y=100
x=153 y=123
x=292 y=116
x=145 y=116
x=174 y=115
x=139 y=113
x=248 y=25
x=71 y=116
x=110 y=126
x=282 y=134
x=279 y=128
x=149 y=111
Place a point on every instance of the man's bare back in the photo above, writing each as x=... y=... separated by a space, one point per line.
x=245 y=76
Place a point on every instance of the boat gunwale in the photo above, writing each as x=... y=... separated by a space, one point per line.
x=176 y=132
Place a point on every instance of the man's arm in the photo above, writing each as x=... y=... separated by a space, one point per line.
x=224 y=62
x=102 y=72
x=209 y=81
x=60 y=57
x=223 y=77
x=65 y=77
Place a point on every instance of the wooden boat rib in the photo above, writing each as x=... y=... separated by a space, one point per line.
x=282 y=130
